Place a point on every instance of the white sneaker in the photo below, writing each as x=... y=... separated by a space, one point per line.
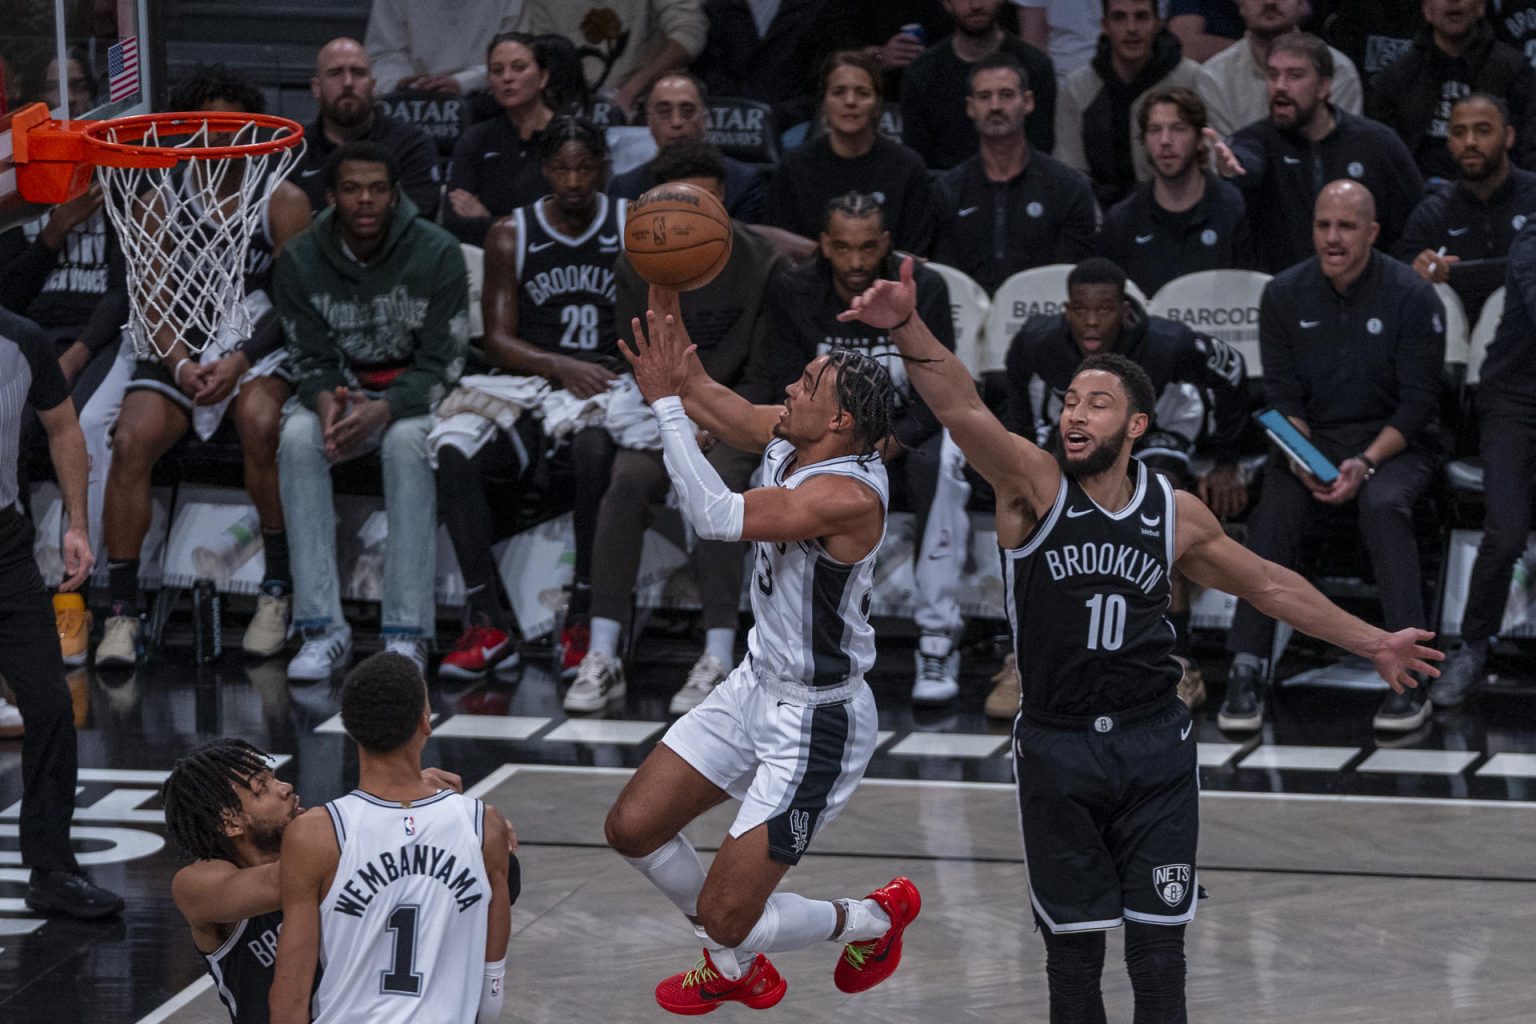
x=267 y=631
x=11 y=725
x=599 y=679
x=938 y=670
x=326 y=651
x=408 y=647
x=119 y=647
x=707 y=673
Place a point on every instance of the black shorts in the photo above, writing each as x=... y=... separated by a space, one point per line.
x=154 y=375
x=1111 y=818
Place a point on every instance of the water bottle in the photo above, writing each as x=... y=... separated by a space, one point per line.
x=207 y=620
x=223 y=555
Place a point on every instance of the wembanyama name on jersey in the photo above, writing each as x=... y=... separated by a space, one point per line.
x=377 y=873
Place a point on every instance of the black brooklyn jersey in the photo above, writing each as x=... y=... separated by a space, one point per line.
x=1087 y=594
x=242 y=967
x=566 y=285
x=198 y=234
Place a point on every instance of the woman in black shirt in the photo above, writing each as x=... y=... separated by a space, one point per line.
x=495 y=165
x=851 y=156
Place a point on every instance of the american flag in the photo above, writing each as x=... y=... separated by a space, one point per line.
x=123 y=69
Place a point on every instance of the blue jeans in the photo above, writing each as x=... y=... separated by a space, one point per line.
x=410 y=506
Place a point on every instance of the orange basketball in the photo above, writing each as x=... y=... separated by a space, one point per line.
x=678 y=236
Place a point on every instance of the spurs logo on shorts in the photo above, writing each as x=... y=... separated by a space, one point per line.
x=800 y=829
x=1171 y=882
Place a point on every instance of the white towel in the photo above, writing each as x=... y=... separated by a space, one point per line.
x=206 y=418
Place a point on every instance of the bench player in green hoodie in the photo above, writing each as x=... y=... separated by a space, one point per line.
x=374 y=302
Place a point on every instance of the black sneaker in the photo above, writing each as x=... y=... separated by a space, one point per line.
x=72 y=893
x=1403 y=712
x=1242 y=710
x=1464 y=670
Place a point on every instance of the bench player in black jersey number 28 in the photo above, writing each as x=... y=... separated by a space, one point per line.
x=1108 y=791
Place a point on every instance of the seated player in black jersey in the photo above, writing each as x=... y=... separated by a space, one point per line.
x=184 y=390
x=548 y=301
x=1106 y=770
x=225 y=809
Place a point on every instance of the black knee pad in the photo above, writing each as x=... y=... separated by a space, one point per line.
x=1074 y=966
x=1154 y=958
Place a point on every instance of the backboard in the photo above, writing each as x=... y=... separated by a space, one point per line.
x=103 y=47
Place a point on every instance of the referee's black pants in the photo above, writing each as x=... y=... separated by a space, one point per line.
x=34 y=669
x=1384 y=505
x=1508 y=448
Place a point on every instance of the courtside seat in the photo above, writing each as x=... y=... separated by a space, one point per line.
x=743 y=130
x=1458 y=331
x=443 y=116
x=968 y=309
x=1465 y=475
x=474 y=264
x=1220 y=303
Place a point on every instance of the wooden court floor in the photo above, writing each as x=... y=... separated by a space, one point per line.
x=1321 y=909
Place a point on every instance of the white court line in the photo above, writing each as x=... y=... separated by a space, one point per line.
x=176 y=1002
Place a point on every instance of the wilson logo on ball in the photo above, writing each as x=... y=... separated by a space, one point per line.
x=678 y=235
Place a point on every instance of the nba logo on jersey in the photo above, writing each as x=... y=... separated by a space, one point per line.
x=410 y=825
x=1171 y=882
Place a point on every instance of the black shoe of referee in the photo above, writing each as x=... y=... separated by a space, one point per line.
x=71 y=893
x=1242 y=710
x=1403 y=712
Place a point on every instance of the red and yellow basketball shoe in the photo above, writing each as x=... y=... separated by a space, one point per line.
x=703 y=989
x=864 y=965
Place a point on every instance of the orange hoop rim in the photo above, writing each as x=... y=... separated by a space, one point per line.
x=119 y=153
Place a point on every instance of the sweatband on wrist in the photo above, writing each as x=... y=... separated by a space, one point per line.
x=492 y=992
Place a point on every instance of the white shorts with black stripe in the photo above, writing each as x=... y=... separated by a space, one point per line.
x=792 y=767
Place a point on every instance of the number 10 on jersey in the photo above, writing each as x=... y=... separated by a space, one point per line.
x=1106 y=621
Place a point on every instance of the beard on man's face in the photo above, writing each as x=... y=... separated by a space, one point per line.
x=1100 y=459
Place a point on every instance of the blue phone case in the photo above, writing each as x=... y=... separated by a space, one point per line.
x=1295 y=444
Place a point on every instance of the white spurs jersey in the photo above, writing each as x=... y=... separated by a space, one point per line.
x=811 y=612
x=402 y=928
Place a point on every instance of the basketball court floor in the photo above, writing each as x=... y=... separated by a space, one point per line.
x=1348 y=882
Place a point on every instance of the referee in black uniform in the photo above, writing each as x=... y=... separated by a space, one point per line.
x=29 y=643
x=1108 y=792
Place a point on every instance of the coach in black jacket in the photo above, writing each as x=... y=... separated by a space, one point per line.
x=1282 y=162
x=1455 y=54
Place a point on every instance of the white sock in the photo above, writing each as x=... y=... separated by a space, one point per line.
x=721 y=645
x=605 y=637
x=676 y=870
x=864 y=920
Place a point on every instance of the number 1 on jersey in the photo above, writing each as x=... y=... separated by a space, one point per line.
x=401 y=978
x=1106 y=621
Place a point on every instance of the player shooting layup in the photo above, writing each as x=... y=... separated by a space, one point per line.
x=1108 y=790
x=791 y=730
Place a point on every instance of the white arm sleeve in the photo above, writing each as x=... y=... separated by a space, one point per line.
x=713 y=510
x=491 y=992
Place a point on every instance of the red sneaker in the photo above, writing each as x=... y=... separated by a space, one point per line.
x=480 y=649
x=703 y=989
x=864 y=965
x=574 y=640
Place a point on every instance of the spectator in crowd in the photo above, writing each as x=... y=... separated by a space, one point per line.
x=933 y=105
x=181 y=389
x=726 y=320
x=343 y=86
x=894 y=32
x=804 y=303
x=1453 y=55
x=1373 y=33
x=677 y=110
x=432 y=45
x=853 y=156
x=1352 y=342
x=764 y=52
x=1280 y=162
x=1010 y=207
x=1096 y=118
x=79 y=83
x=549 y=294
x=1506 y=413
x=566 y=91
x=1514 y=23
x=495 y=166
x=1459 y=233
x=1192 y=375
x=1185 y=219
x=374 y=303
x=1068 y=30
x=628 y=43
x=1205 y=27
x=1233 y=83
x=42 y=715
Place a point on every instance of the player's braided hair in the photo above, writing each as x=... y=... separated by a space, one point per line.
x=566 y=128
x=201 y=788
x=856 y=205
x=865 y=392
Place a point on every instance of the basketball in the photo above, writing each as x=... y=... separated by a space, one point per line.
x=678 y=236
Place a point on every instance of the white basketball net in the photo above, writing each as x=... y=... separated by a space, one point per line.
x=186 y=233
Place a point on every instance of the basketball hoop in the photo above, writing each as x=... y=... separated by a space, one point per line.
x=186 y=193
